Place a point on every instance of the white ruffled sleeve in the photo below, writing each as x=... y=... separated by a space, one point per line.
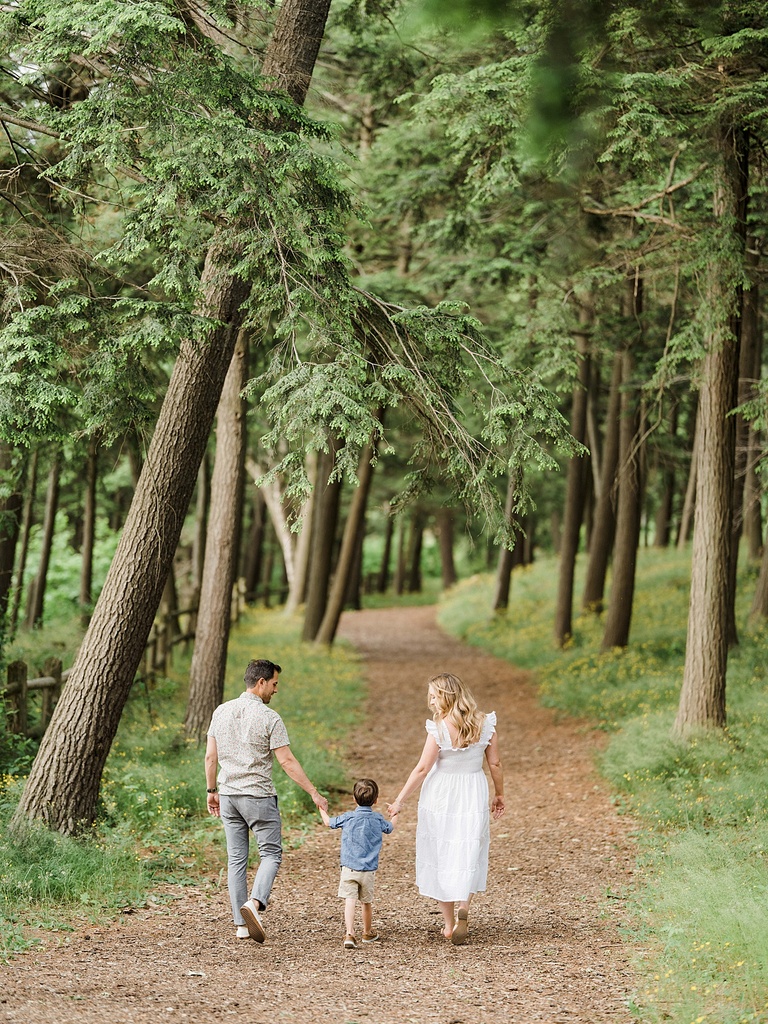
x=432 y=730
x=489 y=727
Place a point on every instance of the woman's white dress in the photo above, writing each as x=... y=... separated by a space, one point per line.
x=453 y=833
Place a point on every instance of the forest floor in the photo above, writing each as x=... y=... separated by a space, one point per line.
x=544 y=940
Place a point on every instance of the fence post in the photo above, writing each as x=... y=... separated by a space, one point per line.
x=51 y=694
x=17 y=685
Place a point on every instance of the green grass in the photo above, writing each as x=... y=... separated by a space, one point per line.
x=153 y=826
x=699 y=913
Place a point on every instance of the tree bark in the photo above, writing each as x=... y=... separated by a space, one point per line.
x=689 y=502
x=506 y=557
x=206 y=673
x=37 y=590
x=325 y=516
x=254 y=547
x=663 y=519
x=629 y=508
x=702 y=699
x=10 y=513
x=445 y=519
x=604 y=523
x=382 y=581
x=89 y=532
x=349 y=544
x=575 y=488
x=26 y=530
x=201 y=526
x=415 y=542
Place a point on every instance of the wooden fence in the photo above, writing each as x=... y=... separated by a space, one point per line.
x=168 y=630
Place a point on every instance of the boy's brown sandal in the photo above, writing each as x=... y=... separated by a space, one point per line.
x=460 y=932
x=371 y=937
x=350 y=942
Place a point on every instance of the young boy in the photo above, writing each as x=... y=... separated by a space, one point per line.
x=361 y=839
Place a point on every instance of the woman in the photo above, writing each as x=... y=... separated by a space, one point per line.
x=453 y=831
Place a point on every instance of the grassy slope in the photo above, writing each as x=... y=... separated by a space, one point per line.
x=700 y=910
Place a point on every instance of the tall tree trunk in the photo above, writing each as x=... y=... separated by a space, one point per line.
x=201 y=526
x=759 y=609
x=663 y=519
x=349 y=545
x=702 y=698
x=382 y=581
x=628 y=511
x=415 y=542
x=254 y=546
x=11 y=502
x=689 y=502
x=325 y=516
x=746 y=332
x=89 y=532
x=400 y=567
x=575 y=487
x=604 y=525
x=445 y=520
x=206 y=673
x=37 y=591
x=63 y=785
x=753 y=521
x=29 y=510
x=506 y=557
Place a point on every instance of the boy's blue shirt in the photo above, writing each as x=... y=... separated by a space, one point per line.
x=361 y=837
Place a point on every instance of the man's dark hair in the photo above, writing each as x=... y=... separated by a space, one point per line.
x=260 y=669
x=366 y=792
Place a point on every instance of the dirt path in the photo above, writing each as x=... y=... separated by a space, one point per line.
x=544 y=938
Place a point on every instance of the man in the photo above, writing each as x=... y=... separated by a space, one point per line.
x=242 y=737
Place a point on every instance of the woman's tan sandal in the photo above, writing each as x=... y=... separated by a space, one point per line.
x=461 y=930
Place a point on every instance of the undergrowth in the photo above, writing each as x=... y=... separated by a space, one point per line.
x=700 y=910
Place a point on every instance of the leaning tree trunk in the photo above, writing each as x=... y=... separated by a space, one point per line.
x=604 y=522
x=37 y=590
x=702 y=699
x=575 y=487
x=206 y=673
x=63 y=785
x=349 y=544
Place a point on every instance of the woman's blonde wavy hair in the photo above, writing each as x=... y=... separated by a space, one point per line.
x=454 y=703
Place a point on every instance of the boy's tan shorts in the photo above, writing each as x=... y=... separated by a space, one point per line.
x=357 y=884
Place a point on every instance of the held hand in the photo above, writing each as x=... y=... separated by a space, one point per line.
x=213 y=805
x=319 y=801
x=393 y=809
x=497 y=807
